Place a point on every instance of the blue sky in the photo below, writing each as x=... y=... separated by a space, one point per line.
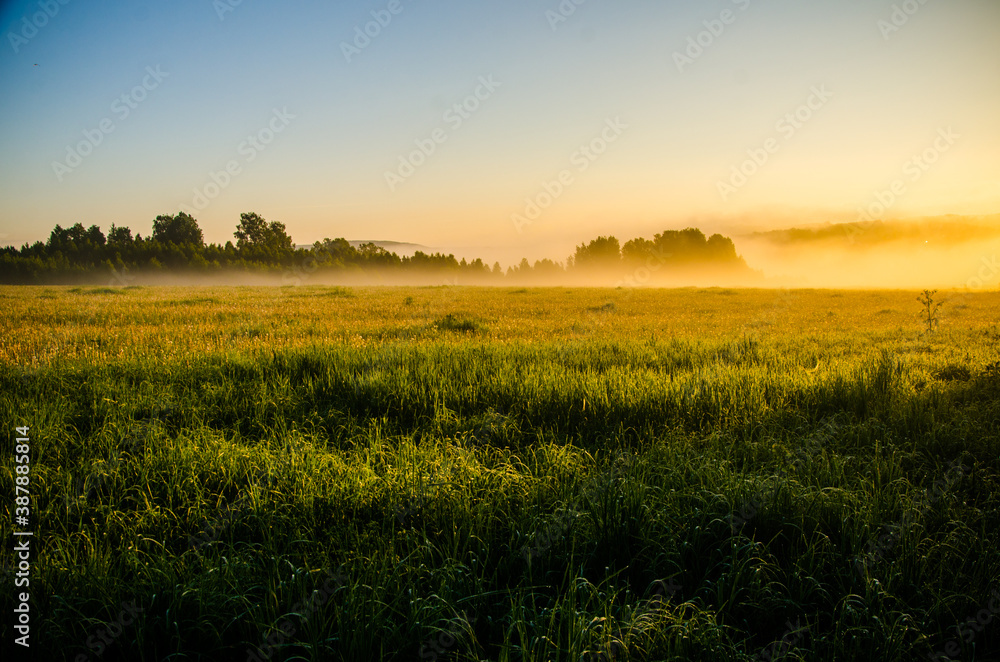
x=555 y=86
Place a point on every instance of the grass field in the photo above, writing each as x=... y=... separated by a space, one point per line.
x=505 y=474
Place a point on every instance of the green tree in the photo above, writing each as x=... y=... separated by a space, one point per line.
x=250 y=231
x=119 y=236
x=254 y=232
x=376 y=256
x=179 y=229
x=95 y=237
x=334 y=253
x=58 y=238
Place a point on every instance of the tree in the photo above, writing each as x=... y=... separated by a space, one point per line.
x=57 y=238
x=76 y=233
x=546 y=268
x=119 y=236
x=638 y=250
x=278 y=237
x=334 y=252
x=250 y=231
x=721 y=249
x=602 y=252
x=373 y=255
x=95 y=236
x=71 y=240
x=179 y=229
x=684 y=246
x=254 y=232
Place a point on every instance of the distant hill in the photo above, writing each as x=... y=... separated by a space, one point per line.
x=940 y=230
x=400 y=248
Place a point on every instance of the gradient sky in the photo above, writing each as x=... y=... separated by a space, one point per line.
x=323 y=175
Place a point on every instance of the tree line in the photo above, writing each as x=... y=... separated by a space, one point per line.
x=176 y=245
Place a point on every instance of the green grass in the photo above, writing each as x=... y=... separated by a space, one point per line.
x=567 y=475
x=461 y=323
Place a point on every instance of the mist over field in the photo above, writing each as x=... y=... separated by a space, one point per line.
x=948 y=252
x=914 y=254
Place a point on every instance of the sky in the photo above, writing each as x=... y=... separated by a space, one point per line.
x=518 y=127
